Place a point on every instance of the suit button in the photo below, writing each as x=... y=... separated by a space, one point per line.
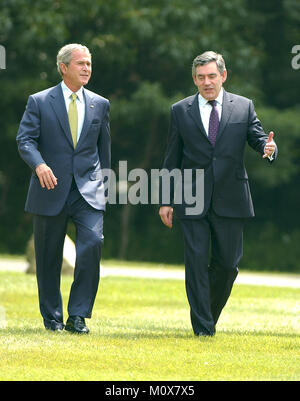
x=214 y=158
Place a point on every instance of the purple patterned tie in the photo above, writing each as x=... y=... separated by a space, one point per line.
x=213 y=122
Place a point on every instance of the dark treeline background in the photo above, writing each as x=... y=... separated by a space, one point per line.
x=142 y=54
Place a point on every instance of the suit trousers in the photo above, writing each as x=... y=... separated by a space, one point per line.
x=49 y=236
x=213 y=248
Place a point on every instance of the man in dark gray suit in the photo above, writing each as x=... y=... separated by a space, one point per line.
x=64 y=137
x=209 y=131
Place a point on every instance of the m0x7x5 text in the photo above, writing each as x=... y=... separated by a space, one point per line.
x=172 y=390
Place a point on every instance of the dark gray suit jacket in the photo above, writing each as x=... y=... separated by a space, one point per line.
x=226 y=187
x=44 y=137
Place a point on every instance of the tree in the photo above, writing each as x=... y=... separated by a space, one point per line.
x=142 y=53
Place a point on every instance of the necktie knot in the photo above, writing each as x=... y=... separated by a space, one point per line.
x=213 y=103
x=74 y=96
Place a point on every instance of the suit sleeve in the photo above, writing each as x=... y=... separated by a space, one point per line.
x=172 y=161
x=257 y=137
x=28 y=135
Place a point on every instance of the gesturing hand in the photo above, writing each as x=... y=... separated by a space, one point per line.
x=46 y=176
x=270 y=146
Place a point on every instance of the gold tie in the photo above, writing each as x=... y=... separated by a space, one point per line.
x=73 y=118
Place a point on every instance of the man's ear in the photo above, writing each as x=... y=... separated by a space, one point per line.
x=63 y=68
x=194 y=79
x=224 y=76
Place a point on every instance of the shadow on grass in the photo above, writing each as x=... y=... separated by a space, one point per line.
x=128 y=331
x=22 y=331
x=258 y=333
x=149 y=335
x=188 y=334
x=151 y=331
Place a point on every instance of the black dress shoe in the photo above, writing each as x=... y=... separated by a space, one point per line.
x=204 y=334
x=76 y=324
x=54 y=326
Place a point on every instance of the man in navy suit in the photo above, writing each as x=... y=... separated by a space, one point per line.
x=64 y=137
x=208 y=132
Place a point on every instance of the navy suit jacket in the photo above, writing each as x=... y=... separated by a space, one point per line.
x=226 y=187
x=44 y=136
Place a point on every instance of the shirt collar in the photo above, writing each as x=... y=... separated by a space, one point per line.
x=67 y=92
x=219 y=99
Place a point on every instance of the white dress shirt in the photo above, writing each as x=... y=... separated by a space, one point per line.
x=205 y=109
x=80 y=103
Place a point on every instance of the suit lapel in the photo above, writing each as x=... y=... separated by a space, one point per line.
x=89 y=114
x=193 y=110
x=57 y=101
x=227 y=108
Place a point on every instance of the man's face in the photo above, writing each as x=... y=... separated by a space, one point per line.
x=78 y=72
x=209 y=81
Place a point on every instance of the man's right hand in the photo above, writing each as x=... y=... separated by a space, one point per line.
x=46 y=176
x=166 y=215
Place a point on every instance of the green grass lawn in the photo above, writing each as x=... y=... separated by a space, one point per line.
x=141 y=330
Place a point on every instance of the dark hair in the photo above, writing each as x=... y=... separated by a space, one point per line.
x=206 y=58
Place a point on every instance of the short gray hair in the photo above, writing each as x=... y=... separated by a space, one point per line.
x=206 y=58
x=65 y=54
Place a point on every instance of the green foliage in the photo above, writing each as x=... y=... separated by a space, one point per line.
x=269 y=247
x=142 y=55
